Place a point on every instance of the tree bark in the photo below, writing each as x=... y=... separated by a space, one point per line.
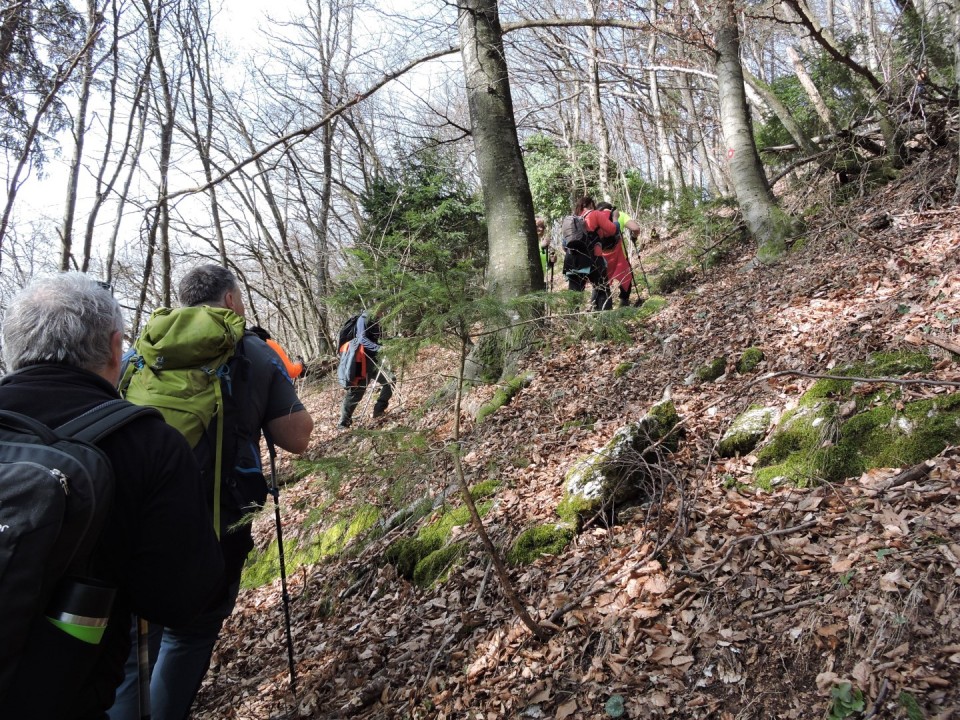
x=816 y=99
x=514 y=265
x=769 y=225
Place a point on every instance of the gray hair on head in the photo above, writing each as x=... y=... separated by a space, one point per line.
x=206 y=284
x=67 y=318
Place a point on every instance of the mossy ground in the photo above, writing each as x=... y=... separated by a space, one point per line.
x=749 y=359
x=263 y=567
x=537 y=541
x=816 y=444
x=504 y=395
x=426 y=558
x=711 y=370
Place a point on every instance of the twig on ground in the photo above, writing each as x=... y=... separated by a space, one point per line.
x=784 y=608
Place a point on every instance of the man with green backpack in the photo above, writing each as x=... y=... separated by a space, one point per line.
x=221 y=386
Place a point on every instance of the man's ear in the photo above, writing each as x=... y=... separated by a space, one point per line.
x=111 y=372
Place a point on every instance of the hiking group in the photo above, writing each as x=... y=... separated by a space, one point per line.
x=594 y=250
x=124 y=530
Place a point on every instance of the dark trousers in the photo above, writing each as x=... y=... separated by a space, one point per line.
x=600 y=299
x=354 y=394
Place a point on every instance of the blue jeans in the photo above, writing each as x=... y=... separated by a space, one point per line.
x=179 y=658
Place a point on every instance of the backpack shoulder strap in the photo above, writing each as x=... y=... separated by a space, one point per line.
x=98 y=422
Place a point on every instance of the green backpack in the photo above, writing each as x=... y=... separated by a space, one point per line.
x=177 y=366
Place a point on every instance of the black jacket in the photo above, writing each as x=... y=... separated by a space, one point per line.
x=158 y=545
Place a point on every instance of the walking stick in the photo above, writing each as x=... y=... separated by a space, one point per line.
x=275 y=492
x=143 y=666
x=646 y=283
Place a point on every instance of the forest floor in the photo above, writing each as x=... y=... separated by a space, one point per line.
x=725 y=601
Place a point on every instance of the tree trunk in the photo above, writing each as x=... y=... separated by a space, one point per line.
x=94 y=21
x=767 y=223
x=597 y=118
x=816 y=99
x=783 y=113
x=514 y=265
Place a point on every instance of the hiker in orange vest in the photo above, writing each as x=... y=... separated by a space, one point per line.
x=294 y=368
x=369 y=369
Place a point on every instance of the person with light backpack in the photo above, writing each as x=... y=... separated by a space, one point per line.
x=582 y=235
x=221 y=386
x=101 y=511
x=360 y=364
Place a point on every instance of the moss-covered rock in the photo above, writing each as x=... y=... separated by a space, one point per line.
x=711 y=370
x=749 y=359
x=838 y=431
x=436 y=566
x=611 y=474
x=406 y=554
x=746 y=431
x=504 y=395
x=539 y=540
x=879 y=365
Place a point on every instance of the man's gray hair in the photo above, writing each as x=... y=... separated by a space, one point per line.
x=67 y=318
x=206 y=284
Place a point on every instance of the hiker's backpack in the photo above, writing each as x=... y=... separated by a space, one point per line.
x=180 y=366
x=578 y=243
x=348 y=331
x=352 y=368
x=56 y=489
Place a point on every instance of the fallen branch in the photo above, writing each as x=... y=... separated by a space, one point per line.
x=784 y=608
x=922 y=339
x=852 y=378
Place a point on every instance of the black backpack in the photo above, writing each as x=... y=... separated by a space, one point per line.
x=348 y=331
x=56 y=488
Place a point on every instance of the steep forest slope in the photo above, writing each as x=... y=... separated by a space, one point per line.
x=720 y=600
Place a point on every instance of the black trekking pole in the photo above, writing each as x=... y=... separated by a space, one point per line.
x=275 y=492
x=143 y=666
x=646 y=283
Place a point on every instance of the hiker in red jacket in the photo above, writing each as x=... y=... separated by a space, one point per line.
x=599 y=224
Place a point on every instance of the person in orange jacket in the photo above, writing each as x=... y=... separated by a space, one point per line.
x=294 y=368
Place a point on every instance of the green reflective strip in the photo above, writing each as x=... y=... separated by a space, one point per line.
x=87 y=633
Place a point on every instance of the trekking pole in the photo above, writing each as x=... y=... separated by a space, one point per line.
x=275 y=492
x=646 y=283
x=143 y=666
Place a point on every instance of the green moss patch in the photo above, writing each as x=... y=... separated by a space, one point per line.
x=711 y=370
x=537 y=541
x=749 y=360
x=436 y=566
x=623 y=368
x=485 y=489
x=406 y=554
x=263 y=567
x=504 y=395
x=838 y=431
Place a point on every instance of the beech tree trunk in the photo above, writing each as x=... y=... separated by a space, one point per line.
x=514 y=265
x=766 y=222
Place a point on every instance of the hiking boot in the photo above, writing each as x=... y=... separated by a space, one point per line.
x=343 y=424
x=378 y=413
